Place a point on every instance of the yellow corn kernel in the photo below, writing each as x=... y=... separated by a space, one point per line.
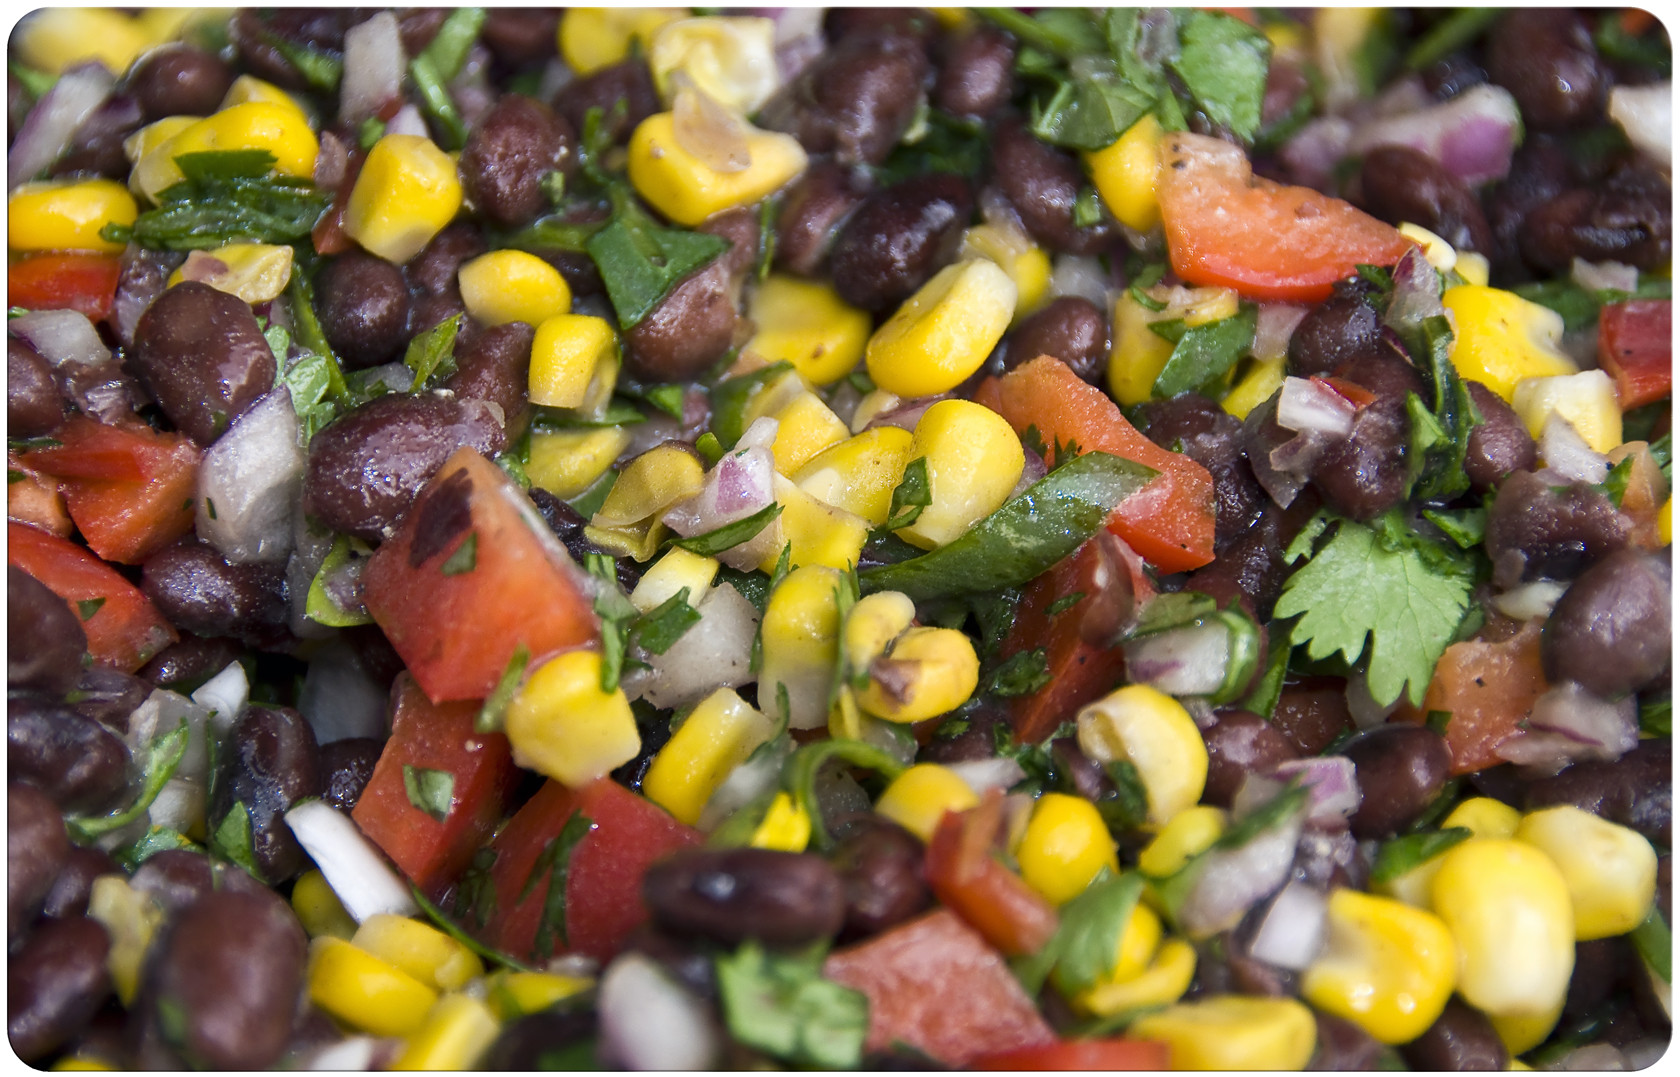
x=801 y=635
x=1500 y=338
x=1473 y=267
x=688 y=190
x=153 y=135
x=1161 y=984
x=1191 y=831
x=1611 y=871
x=638 y=542
x=941 y=335
x=1286 y=36
x=1137 y=356
x=513 y=286
x=83 y=1064
x=1232 y=1032
x=567 y=462
x=255 y=272
x=420 y=950
x=649 y=484
x=1339 y=35
x=131 y=917
x=715 y=738
x=457 y=1031
x=1436 y=251
x=1587 y=401
x=408 y=190
x=819 y=533
x=920 y=797
x=56 y=38
x=1137 y=945
x=974 y=459
x=860 y=473
x=1665 y=522
x=786 y=826
x=363 y=991
x=675 y=569
x=318 y=908
x=591 y=38
x=1412 y=886
x=1157 y=735
x=1484 y=817
x=1507 y=906
x=805 y=426
x=1026 y=263
x=561 y=724
x=928 y=672
x=1255 y=386
x=568 y=352
x=255 y=125
x=1127 y=173
x=732 y=58
x=248 y=88
x=171 y=23
x=62 y=215
x=1388 y=968
x=1065 y=844
x=1524 y=1032
x=874 y=622
x=874 y=403
x=514 y=994
x=807 y=324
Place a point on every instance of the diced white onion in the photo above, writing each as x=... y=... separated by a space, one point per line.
x=61 y=337
x=1079 y=275
x=225 y=695
x=47 y=131
x=373 y=68
x=716 y=652
x=351 y=1053
x=249 y=481
x=1189 y=661
x=407 y=121
x=1310 y=404
x=983 y=775
x=357 y=872
x=708 y=131
x=1232 y=881
x=751 y=779
x=1366 y=712
x=1529 y=600
x=1273 y=327
x=1646 y=115
x=1292 y=933
x=1567 y=455
x=1598 y=275
x=649 y=1021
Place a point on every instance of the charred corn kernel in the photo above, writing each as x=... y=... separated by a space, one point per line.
x=651 y=483
x=1587 y=401
x=809 y=325
x=818 y=533
x=1523 y=1032
x=1191 y=831
x=455 y=1034
x=1507 y=906
x=800 y=633
x=567 y=356
x=514 y=994
x=688 y=190
x=131 y=917
x=561 y=724
x=786 y=826
x=318 y=908
x=715 y=738
x=1388 y=967
x=1255 y=386
x=732 y=58
x=1137 y=355
x=513 y=286
x=255 y=272
x=928 y=672
x=874 y=622
x=1611 y=871
x=974 y=459
x=805 y=427
x=1473 y=267
x=567 y=462
x=420 y=950
x=1157 y=735
x=1161 y=984
x=67 y=216
x=1500 y=338
x=920 y=797
x=407 y=191
x=1066 y=843
x=1436 y=251
x=874 y=403
x=860 y=473
x=941 y=335
x=1232 y=1032
x=1484 y=817
x=591 y=38
x=56 y=38
x=255 y=125
x=675 y=569
x=248 y=88
x=1127 y=173
x=1026 y=263
x=364 y=991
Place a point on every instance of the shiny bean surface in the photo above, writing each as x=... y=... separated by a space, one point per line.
x=1462 y=1038
x=1536 y=530
x=880 y=869
x=76 y=761
x=730 y=895
x=857 y=100
x=179 y=81
x=71 y=888
x=494 y=364
x=1547 y=59
x=363 y=304
x=1240 y=743
x=34 y=405
x=511 y=148
x=1043 y=183
x=1071 y=328
x=1499 y=444
x=978 y=75
x=1402 y=184
x=44 y=638
x=204 y=358
x=54 y=984
x=1194 y=425
x=345 y=766
x=199 y=590
x=36 y=849
x=1335 y=331
x=1636 y=790
x=815 y=206
x=274 y=762
x=898 y=238
x=1612 y=631
x=1400 y=769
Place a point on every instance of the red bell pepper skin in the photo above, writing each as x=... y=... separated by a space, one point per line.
x=456 y=621
x=81 y=282
x=435 y=736
x=998 y=903
x=1636 y=348
x=1112 y=1054
x=124 y=630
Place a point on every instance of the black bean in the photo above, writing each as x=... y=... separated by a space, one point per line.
x=494 y=364
x=510 y=149
x=253 y=31
x=1343 y=1046
x=1079 y=774
x=184 y=665
x=1194 y=425
x=54 y=984
x=812 y=212
x=1341 y=327
x=567 y=525
x=880 y=868
x=1547 y=59
x=1043 y=183
x=1401 y=184
x=362 y=301
x=629 y=82
x=1629 y=218
x=1636 y=790
x=1312 y=712
x=36 y=848
x=273 y=763
x=434 y=271
x=34 y=404
x=1363 y=475
x=76 y=761
x=74 y=882
x=521 y=36
x=976 y=741
x=45 y=640
x=840 y=23
x=686 y=332
x=857 y=100
x=1499 y=444
x=418 y=27
x=978 y=75
x=1251 y=570
x=740 y=227
x=197 y=589
x=899 y=237
x=204 y=358
x=1462 y=1038
x=96 y=149
x=731 y=895
x=1451 y=75
x=365 y=469
x=346 y=766
x=1240 y=743
x=233 y=970
x=537 y=1039
x=1600 y=965
x=109 y=696
x=179 y=80
x=176 y=878
x=1400 y=769
x=1541 y=170
x=1611 y=631
x=1071 y=328
x=1536 y=530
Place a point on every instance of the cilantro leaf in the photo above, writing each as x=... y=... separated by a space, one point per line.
x=659 y=628
x=555 y=861
x=431 y=355
x=431 y=791
x=732 y=534
x=1021 y=674
x=640 y=261
x=780 y=1004
x=232 y=839
x=910 y=496
x=224 y=196
x=1205 y=352
x=163 y=755
x=1223 y=61
x=492 y=714
x=1402 y=854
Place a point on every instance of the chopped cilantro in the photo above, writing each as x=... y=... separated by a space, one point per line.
x=225 y=195
x=87 y=607
x=713 y=542
x=1082 y=951
x=232 y=839
x=910 y=496
x=494 y=711
x=431 y=355
x=464 y=559
x=162 y=756
x=1395 y=858
x=1021 y=674
x=780 y=1004
x=657 y=629
x=1205 y=352
x=431 y=791
x=555 y=862
x=641 y=261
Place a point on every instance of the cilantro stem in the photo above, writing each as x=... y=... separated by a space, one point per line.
x=1453 y=32
x=1033 y=32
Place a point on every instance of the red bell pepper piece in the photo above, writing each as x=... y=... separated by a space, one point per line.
x=1636 y=348
x=124 y=629
x=994 y=900
x=81 y=282
x=1115 y=1054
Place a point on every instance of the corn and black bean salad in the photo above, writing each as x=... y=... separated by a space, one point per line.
x=850 y=538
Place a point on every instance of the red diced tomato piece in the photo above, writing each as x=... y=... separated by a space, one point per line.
x=1489 y=689
x=1115 y=1054
x=1636 y=348
x=124 y=629
x=81 y=282
x=35 y=499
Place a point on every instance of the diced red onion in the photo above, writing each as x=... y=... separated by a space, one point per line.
x=906 y=414
x=798 y=40
x=46 y=133
x=357 y=872
x=373 y=68
x=1598 y=275
x=1417 y=292
x=471 y=85
x=1188 y=661
x=1312 y=154
x=1646 y=115
x=983 y=775
x=1273 y=327
x=649 y=1021
x=407 y=121
x=340 y=698
x=61 y=337
x=715 y=652
x=1232 y=881
x=145 y=274
x=1529 y=600
x=1292 y=933
x=1032 y=469
x=1309 y=404
x=252 y=475
x=1604 y=729
x=1081 y=276
x=1281 y=470
x=1566 y=454
x=1332 y=789
x=1473 y=135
